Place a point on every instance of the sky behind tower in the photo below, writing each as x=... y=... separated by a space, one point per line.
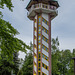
x=63 y=25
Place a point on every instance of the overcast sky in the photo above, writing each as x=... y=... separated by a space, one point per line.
x=63 y=25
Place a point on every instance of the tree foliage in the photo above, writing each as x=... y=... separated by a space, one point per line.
x=16 y=61
x=55 y=55
x=28 y=63
x=20 y=72
x=5 y=65
x=8 y=42
x=8 y=4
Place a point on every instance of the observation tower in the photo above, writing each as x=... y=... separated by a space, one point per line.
x=42 y=12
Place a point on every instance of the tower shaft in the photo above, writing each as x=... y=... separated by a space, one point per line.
x=42 y=44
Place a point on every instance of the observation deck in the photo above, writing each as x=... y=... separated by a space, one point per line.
x=42 y=8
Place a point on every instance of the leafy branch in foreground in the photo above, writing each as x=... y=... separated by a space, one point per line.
x=8 y=4
x=8 y=42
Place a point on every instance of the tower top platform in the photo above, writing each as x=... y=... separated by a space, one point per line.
x=49 y=2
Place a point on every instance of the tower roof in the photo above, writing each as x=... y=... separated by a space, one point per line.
x=50 y=2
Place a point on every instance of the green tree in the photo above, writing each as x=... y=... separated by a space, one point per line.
x=55 y=56
x=28 y=64
x=71 y=65
x=20 y=72
x=8 y=42
x=16 y=62
x=60 y=59
x=5 y=65
x=65 y=59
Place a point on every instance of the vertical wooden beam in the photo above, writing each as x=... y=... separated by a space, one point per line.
x=49 y=44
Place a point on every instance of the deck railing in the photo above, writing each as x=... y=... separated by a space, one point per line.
x=40 y=5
